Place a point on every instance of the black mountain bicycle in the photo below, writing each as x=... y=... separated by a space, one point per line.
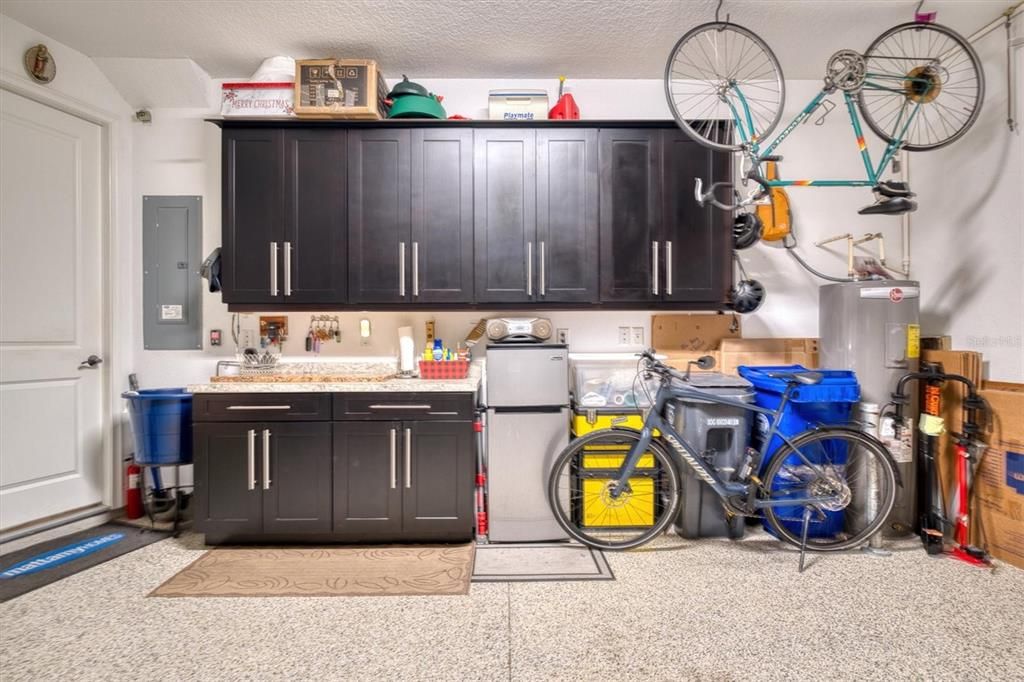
x=827 y=489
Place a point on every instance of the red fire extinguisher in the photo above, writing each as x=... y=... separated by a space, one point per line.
x=133 y=491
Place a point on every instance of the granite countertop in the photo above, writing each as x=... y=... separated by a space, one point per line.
x=342 y=377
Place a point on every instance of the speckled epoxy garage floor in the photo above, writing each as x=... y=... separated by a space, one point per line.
x=706 y=609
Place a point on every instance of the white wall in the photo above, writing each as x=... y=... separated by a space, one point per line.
x=180 y=154
x=968 y=234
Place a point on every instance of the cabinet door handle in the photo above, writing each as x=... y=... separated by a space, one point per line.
x=287 y=268
x=408 y=458
x=529 y=268
x=251 y=477
x=400 y=407
x=415 y=268
x=394 y=454
x=259 y=407
x=401 y=268
x=540 y=260
x=273 y=268
x=266 y=459
x=668 y=268
x=654 y=267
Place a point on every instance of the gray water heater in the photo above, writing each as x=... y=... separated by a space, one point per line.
x=873 y=328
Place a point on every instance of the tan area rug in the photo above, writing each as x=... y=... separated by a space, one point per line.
x=325 y=572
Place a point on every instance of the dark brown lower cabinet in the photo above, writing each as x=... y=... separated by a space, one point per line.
x=362 y=478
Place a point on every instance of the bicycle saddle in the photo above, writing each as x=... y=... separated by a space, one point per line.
x=894 y=206
x=805 y=378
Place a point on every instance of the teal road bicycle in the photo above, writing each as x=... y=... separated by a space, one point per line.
x=919 y=86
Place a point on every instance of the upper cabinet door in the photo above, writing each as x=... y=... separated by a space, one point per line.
x=379 y=215
x=314 y=260
x=695 y=248
x=253 y=233
x=504 y=215
x=441 y=253
x=630 y=189
x=567 y=234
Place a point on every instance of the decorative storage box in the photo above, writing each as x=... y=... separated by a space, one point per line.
x=517 y=105
x=444 y=369
x=257 y=99
x=340 y=88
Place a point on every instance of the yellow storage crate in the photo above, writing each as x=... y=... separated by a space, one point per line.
x=582 y=424
x=634 y=509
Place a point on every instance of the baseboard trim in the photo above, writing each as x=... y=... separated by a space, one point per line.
x=75 y=517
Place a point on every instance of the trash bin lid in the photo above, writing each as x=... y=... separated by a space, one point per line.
x=714 y=380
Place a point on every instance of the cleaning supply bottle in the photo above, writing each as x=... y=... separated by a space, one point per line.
x=438 y=349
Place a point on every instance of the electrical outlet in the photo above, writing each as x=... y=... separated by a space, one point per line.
x=624 y=336
x=562 y=336
x=637 y=336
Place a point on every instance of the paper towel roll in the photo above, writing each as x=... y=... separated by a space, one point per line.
x=406 y=349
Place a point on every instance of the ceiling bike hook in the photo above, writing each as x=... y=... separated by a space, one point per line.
x=718 y=9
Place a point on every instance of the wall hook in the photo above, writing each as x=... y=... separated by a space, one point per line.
x=718 y=9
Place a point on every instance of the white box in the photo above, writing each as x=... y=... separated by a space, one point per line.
x=257 y=99
x=517 y=105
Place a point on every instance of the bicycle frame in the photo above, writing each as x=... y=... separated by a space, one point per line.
x=689 y=454
x=745 y=129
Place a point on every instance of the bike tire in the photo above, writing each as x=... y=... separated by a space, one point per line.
x=887 y=480
x=874 y=54
x=682 y=104
x=561 y=483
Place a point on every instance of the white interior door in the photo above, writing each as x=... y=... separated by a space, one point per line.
x=51 y=312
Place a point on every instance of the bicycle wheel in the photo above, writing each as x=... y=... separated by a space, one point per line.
x=927 y=71
x=708 y=70
x=580 y=496
x=855 y=469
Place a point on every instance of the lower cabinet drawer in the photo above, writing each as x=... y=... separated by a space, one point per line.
x=404 y=406
x=247 y=407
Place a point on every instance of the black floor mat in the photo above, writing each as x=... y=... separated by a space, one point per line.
x=47 y=562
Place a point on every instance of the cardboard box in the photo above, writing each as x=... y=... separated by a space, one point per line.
x=692 y=332
x=340 y=88
x=737 y=352
x=967 y=364
x=997 y=519
x=680 y=360
x=937 y=343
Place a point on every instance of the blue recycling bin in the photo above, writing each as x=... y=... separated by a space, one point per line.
x=828 y=403
x=162 y=425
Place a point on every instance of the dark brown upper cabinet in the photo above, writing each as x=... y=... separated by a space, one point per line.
x=567 y=234
x=470 y=215
x=630 y=191
x=441 y=255
x=284 y=216
x=505 y=214
x=380 y=218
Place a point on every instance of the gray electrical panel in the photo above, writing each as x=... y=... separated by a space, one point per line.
x=171 y=256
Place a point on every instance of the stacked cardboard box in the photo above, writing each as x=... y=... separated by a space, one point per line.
x=686 y=337
x=997 y=523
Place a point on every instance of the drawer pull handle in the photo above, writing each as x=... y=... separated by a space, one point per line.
x=442 y=412
x=259 y=407
x=400 y=407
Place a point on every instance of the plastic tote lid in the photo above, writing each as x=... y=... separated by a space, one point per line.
x=837 y=386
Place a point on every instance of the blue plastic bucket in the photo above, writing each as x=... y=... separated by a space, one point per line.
x=162 y=425
x=830 y=402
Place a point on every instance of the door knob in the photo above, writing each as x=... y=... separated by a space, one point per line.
x=90 y=362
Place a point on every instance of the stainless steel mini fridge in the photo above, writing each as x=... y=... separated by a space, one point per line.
x=527 y=394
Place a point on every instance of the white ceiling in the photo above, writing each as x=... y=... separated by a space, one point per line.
x=469 y=38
